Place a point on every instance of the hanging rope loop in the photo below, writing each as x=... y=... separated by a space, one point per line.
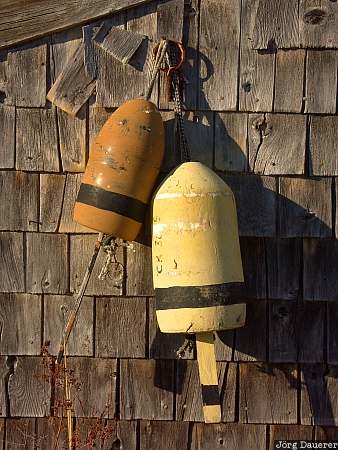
x=158 y=56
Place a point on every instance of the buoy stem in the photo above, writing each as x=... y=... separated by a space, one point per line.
x=208 y=377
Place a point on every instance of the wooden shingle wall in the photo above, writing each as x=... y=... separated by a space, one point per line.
x=261 y=110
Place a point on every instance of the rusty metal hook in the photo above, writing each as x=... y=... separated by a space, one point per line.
x=168 y=70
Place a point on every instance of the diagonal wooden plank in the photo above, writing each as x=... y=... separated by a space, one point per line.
x=22 y=21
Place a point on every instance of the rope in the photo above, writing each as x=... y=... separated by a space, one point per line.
x=161 y=51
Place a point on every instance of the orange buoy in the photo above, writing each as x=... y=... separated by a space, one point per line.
x=123 y=165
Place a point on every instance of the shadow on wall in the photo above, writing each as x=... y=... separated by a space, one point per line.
x=248 y=189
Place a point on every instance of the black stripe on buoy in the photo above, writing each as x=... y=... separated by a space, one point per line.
x=198 y=296
x=112 y=201
x=210 y=394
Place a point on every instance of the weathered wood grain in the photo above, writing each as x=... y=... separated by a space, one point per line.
x=163 y=345
x=74 y=85
x=7 y=137
x=52 y=188
x=321 y=81
x=319 y=403
x=38 y=18
x=5 y=369
x=47 y=263
x=142 y=20
x=123 y=433
x=121 y=327
x=283 y=268
x=188 y=391
x=20 y=318
x=296 y=331
x=20 y=433
x=289 y=81
x=256 y=78
x=28 y=390
x=219 y=63
x=324 y=145
x=117 y=82
x=250 y=340
x=170 y=17
x=231 y=152
x=94 y=387
x=62 y=47
x=81 y=248
x=318 y=23
x=146 y=389
x=36 y=140
x=51 y=432
x=139 y=270
x=256 y=204
x=199 y=133
x=326 y=433
x=277 y=143
x=275 y=25
x=56 y=311
x=118 y=42
x=164 y=435
x=190 y=69
x=254 y=268
x=289 y=433
x=2 y=431
x=90 y=53
x=113 y=71
x=26 y=75
x=72 y=135
x=12 y=276
x=19 y=192
x=67 y=222
x=283 y=331
x=305 y=207
x=104 y=434
x=224 y=345
x=320 y=277
x=97 y=118
x=310 y=328
x=234 y=436
x=332 y=333
x=268 y=394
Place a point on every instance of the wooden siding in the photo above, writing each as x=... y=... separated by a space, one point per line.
x=260 y=109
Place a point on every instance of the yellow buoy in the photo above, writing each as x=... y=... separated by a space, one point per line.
x=197 y=264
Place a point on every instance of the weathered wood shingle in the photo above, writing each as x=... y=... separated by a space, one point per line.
x=289 y=81
x=56 y=311
x=12 y=275
x=147 y=389
x=47 y=263
x=268 y=394
x=36 y=140
x=323 y=158
x=305 y=207
x=27 y=76
x=321 y=81
x=20 y=317
x=7 y=137
x=121 y=327
x=19 y=192
x=277 y=143
x=219 y=77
